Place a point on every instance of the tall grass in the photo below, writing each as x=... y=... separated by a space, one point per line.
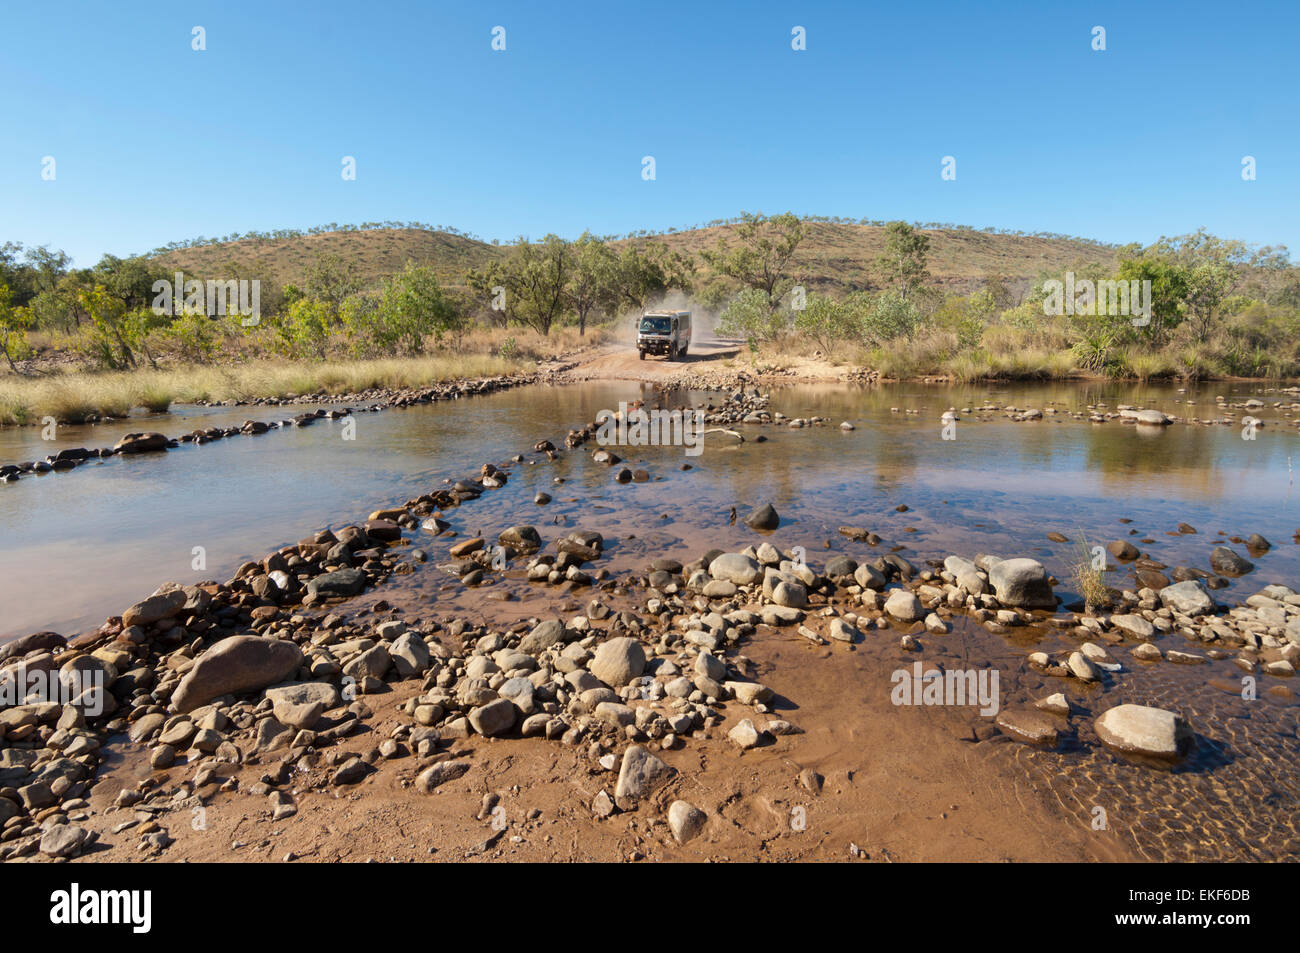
x=75 y=398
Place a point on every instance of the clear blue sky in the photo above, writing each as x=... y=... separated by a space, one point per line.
x=155 y=142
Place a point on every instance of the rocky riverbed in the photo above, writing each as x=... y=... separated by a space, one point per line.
x=581 y=705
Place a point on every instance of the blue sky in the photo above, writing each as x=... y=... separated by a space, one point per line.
x=154 y=142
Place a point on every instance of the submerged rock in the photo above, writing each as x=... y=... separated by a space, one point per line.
x=1139 y=729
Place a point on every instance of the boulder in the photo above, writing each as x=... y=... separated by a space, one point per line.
x=1224 y=560
x=618 y=661
x=735 y=568
x=763 y=518
x=410 y=654
x=1022 y=584
x=1190 y=598
x=1139 y=729
x=141 y=443
x=301 y=704
x=904 y=606
x=241 y=663
x=495 y=718
x=686 y=821
x=340 y=583
x=640 y=775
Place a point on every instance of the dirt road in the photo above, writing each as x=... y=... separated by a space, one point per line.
x=622 y=362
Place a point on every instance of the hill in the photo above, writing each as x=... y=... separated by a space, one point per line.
x=834 y=255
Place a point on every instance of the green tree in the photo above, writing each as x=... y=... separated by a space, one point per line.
x=14 y=322
x=411 y=307
x=594 y=279
x=1168 y=292
x=764 y=258
x=883 y=317
x=826 y=322
x=749 y=315
x=303 y=329
x=904 y=262
x=534 y=279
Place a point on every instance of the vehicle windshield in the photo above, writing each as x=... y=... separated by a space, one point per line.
x=655 y=325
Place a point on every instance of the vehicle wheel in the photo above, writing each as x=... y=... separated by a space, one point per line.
x=642 y=353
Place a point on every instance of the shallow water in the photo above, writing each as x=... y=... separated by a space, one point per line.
x=78 y=546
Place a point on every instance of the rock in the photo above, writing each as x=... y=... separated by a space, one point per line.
x=300 y=705
x=618 y=661
x=935 y=625
x=790 y=594
x=1022 y=584
x=749 y=693
x=710 y=666
x=523 y=539
x=869 y=577
x=602 y=805
x=1147 y=652
x=1190 y=598
x=1134 y=625
x=640 y=775
x=904 y=606
x=374 y=662
x=686 y=821
x=1082 y=667
x=437 y=775
x=842 y=631
x=614 y=714
x=36 y=642
x=1153 y=418
x=338 y=584
x=63 y=840
x=141 y=443
x=1123 y=549
x=841 y=568
x=763 y=518
x=744 y=735
x=544 y=635
x=1033 y=727
x=1056 y=704
x=1139 y=729
x=410 y=654
x=495 y=718
x=241 y=663
x=735 y=568
x=1224 y=560
x=162 y=605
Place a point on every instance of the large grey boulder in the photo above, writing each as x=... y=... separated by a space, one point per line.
x=1189 y=598
x=618 y=661
x=1022 y=584
x=904 y=606
x=640 y=775
x=241 y=663
x=736 y=568
x=1139 y=729
x=340 y=583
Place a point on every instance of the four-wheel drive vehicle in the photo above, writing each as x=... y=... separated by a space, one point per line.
x=664 y=332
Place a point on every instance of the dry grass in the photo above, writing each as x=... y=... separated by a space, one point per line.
x=73 y=398
x=1087 y=577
